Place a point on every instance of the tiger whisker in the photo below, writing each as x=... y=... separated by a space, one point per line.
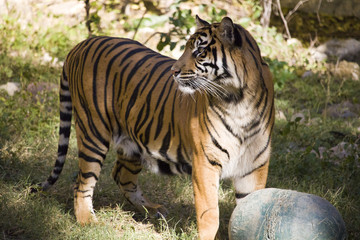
x=211 y=87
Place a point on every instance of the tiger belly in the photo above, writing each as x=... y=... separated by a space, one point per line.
x=152 y=158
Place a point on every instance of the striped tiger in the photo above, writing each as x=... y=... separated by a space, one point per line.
x=209 y=114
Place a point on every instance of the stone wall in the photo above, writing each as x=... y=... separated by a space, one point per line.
x=330 y=7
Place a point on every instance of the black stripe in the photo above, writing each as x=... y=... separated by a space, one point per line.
x=62 y=150
x=149 y=94
x=59 y=165
x=153 y=70
x=65 y=131
x=250 y=172
x=66 y=117
x=128 y=183
x=238 y=38
x=87 y=137
x=64 y=98
x=147 y=133
x=135 y=172
x=132 y=100
x=92 y=149
x=118 y=128
x=161 y=94
x=270 y=114
x=252 y=134
x=164 y=167
x=173 y=111
x=227 y=126
x=121 y=43
x=90 y=122
x=249 y=42
x=107 y=76
x=263 y=149
x=51 y=180
x=131 y=53
x=99 y=46
x=165 y=144
x=95 y=102
x=121 y=77
x=90 y=159
x=138 y=119
x=185 y=166
x=212 y=162
x=89 y=175
x=214 y=53
x=207 y=119
x=62 y=86
x=161 y=114
x=215 y=142
x=224 y=61
x=136 y=68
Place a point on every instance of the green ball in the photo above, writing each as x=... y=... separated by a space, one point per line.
x=282 y=215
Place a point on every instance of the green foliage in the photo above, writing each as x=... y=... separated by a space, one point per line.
x=29 y=135
x=152 y=21
x=182 y=23
x=282 y=73
x=15 y=38
x=213 y=13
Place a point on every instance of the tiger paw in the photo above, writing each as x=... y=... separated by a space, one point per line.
x=85 y=217
x=157 y=211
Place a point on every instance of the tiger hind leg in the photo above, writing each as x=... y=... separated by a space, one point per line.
x=91 y=159
x=125 y=174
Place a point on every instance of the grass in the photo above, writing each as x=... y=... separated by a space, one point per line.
x=29 y=135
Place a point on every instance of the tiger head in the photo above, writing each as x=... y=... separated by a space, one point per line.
x=209 y=61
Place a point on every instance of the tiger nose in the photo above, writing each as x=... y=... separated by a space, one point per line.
x=175 y=70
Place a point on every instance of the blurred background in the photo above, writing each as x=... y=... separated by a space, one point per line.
x=311 y=46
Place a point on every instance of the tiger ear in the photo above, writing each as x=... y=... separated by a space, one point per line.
x=201 y=23
x=226 y=30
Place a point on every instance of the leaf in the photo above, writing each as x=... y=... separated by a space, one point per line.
x=172 y=45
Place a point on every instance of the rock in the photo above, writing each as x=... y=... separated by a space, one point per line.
x=307 y=74
x=329 y=7
x=36 y=88
x=342 y=110
x=284 y=214
x=345 y=70
x=299 y=117
x=279 y=115
x=11 y=88
x=343 y=150
x=69 y=8
x=348 y=49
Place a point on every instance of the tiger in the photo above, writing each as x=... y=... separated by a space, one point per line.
x=209 y=114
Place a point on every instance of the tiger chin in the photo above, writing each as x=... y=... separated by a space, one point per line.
x=209 y=114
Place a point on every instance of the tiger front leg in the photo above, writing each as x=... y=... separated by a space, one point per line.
x=205 y=178
x=125 y=174
x=251 y=182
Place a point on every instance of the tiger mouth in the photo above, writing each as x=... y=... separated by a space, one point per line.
x=189 y=82
x=187 y=85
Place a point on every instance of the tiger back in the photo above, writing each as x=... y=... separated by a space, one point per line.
x=210 y=114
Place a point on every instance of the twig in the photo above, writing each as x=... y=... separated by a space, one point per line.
x=87 y=17
x=295 y=9
x=151 y=36
x=317 y=12
x=283 y=19
x=265 y=18
x=138 y=26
